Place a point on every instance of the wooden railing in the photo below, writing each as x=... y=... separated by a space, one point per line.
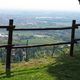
x=10 y=28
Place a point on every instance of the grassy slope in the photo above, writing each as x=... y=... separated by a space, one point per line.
x=61 y=68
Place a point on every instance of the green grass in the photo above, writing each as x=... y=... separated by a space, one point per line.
x=36 y=41
x=35 y=69
x=63 y=67
x=40 y=41
x=66 y=68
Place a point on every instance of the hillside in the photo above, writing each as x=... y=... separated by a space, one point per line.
x=62 y=67
x=41 y=63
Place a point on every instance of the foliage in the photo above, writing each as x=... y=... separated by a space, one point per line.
x=62 y=67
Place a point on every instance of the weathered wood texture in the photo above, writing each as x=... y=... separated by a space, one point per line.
x=10 y=28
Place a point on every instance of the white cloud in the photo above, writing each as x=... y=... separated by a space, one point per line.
x=40 y=4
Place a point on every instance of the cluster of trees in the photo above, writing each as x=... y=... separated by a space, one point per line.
x=25 y=54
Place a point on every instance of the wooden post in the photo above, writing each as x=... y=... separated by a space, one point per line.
x=9 y=47
x=27 y=57
x=72 y=37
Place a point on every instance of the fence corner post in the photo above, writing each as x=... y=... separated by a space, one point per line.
x=72 y=38
x=9 y=47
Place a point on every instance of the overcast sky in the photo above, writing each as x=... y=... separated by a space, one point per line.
x=63 y=5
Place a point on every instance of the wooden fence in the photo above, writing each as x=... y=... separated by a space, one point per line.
x=10 y=28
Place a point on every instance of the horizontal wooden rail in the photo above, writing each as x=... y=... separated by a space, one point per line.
x=9 y=46
x=62 y=43
x=21 y=45
x=4 y=26
x=3 y=46
x=34 y=29
x=77 y=25
x=30 y=46
x=77 y=39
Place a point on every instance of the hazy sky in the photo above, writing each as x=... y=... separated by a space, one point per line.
x=67 y=5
